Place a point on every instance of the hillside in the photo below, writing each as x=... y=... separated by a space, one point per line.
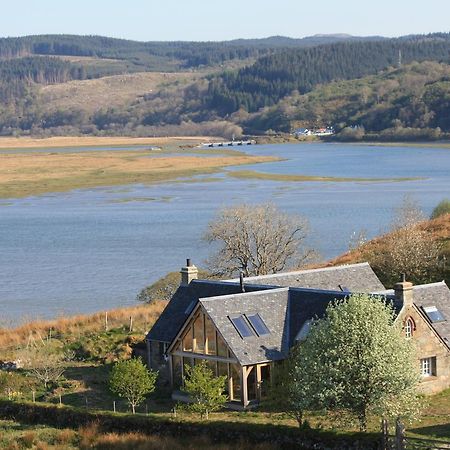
x=416 y=96
x=72 y=85
x=438 y=229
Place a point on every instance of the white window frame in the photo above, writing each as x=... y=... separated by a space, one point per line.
x=409 y=328
x=427 y=367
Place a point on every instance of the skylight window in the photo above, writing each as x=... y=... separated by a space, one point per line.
x=242 y=327
x=433 y=314
x=258 y=324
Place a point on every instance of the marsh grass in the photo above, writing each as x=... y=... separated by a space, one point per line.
x=254 y=175
x=24 y=175
x=143 y=317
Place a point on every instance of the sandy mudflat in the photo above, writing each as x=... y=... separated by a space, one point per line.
x=94 y=141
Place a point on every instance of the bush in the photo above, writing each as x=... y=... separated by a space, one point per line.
x=441 y=209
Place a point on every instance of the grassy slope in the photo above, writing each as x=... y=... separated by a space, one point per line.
x=439 y=228
x=117 y=91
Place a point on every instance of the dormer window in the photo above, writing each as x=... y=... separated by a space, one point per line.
x=409 y=327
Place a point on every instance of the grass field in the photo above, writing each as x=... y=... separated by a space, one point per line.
x=27 y=174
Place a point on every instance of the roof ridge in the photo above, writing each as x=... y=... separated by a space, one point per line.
x=246 y=294
x=436 y=283
x=320 y=269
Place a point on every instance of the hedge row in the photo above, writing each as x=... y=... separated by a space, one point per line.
x=285 y=436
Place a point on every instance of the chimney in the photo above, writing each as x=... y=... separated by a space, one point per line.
x=404 y=291
x=241 y=281
x=188 y=273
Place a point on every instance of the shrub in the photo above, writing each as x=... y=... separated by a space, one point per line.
x=441 y=209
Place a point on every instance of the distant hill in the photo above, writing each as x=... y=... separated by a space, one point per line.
x=65 y=84
x=160 y=56
x=413 y=97
x=274 y=76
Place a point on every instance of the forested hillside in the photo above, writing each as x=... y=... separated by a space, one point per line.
x=273 y=77
x=411 y=102
x=94 y=85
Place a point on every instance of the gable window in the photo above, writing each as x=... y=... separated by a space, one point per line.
x=428 y=367
x=409 y=327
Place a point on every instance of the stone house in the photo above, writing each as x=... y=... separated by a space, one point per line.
x=242 y=327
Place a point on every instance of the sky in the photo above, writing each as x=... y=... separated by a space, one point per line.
x=214 y=20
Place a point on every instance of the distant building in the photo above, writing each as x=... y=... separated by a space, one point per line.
x=302 y=132
x=242 y=328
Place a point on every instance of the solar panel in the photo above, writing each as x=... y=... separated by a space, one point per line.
x=433 y=314
x=242 y=327
x=258 y=324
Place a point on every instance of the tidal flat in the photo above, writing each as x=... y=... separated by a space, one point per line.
x=30 y=174
x=255 y=175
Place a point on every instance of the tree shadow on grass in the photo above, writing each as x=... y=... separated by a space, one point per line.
x=433 y=431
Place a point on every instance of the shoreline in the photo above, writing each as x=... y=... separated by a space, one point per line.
x=13 y=143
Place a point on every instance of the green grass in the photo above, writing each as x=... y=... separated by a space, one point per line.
x=15 y=436
x=254 y=175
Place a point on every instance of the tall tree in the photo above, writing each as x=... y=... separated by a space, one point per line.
x=256 y=240
x=356 y=359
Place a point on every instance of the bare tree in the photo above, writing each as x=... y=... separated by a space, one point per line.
x=409 y=248
x=45 y=362
x=256 y=240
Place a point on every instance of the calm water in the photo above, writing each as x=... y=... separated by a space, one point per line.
x=94 y=249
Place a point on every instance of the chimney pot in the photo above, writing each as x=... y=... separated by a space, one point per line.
x=241 y=281
x=404 y=291
x=188 y=273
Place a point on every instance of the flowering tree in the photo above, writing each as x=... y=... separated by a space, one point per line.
x=355 y=359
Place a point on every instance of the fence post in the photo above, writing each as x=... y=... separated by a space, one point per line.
x=34 y=396
x=399 y=435
x=131 y=324
x=106 y=321
x=384 y=435
x=114 y=406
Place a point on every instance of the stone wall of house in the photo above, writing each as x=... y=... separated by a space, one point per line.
x=429 y=346
x=157 y=360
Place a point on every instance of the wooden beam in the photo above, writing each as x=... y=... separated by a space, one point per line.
x=258 y=382
x=244 y=390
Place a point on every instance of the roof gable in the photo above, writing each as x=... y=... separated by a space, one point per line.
x=183 y=302
x=273 y=308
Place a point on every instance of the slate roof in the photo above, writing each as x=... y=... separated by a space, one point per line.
x=354 y=277
x=284 y=311
x=435 y=294
x=272 y=306
x=174 y=315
